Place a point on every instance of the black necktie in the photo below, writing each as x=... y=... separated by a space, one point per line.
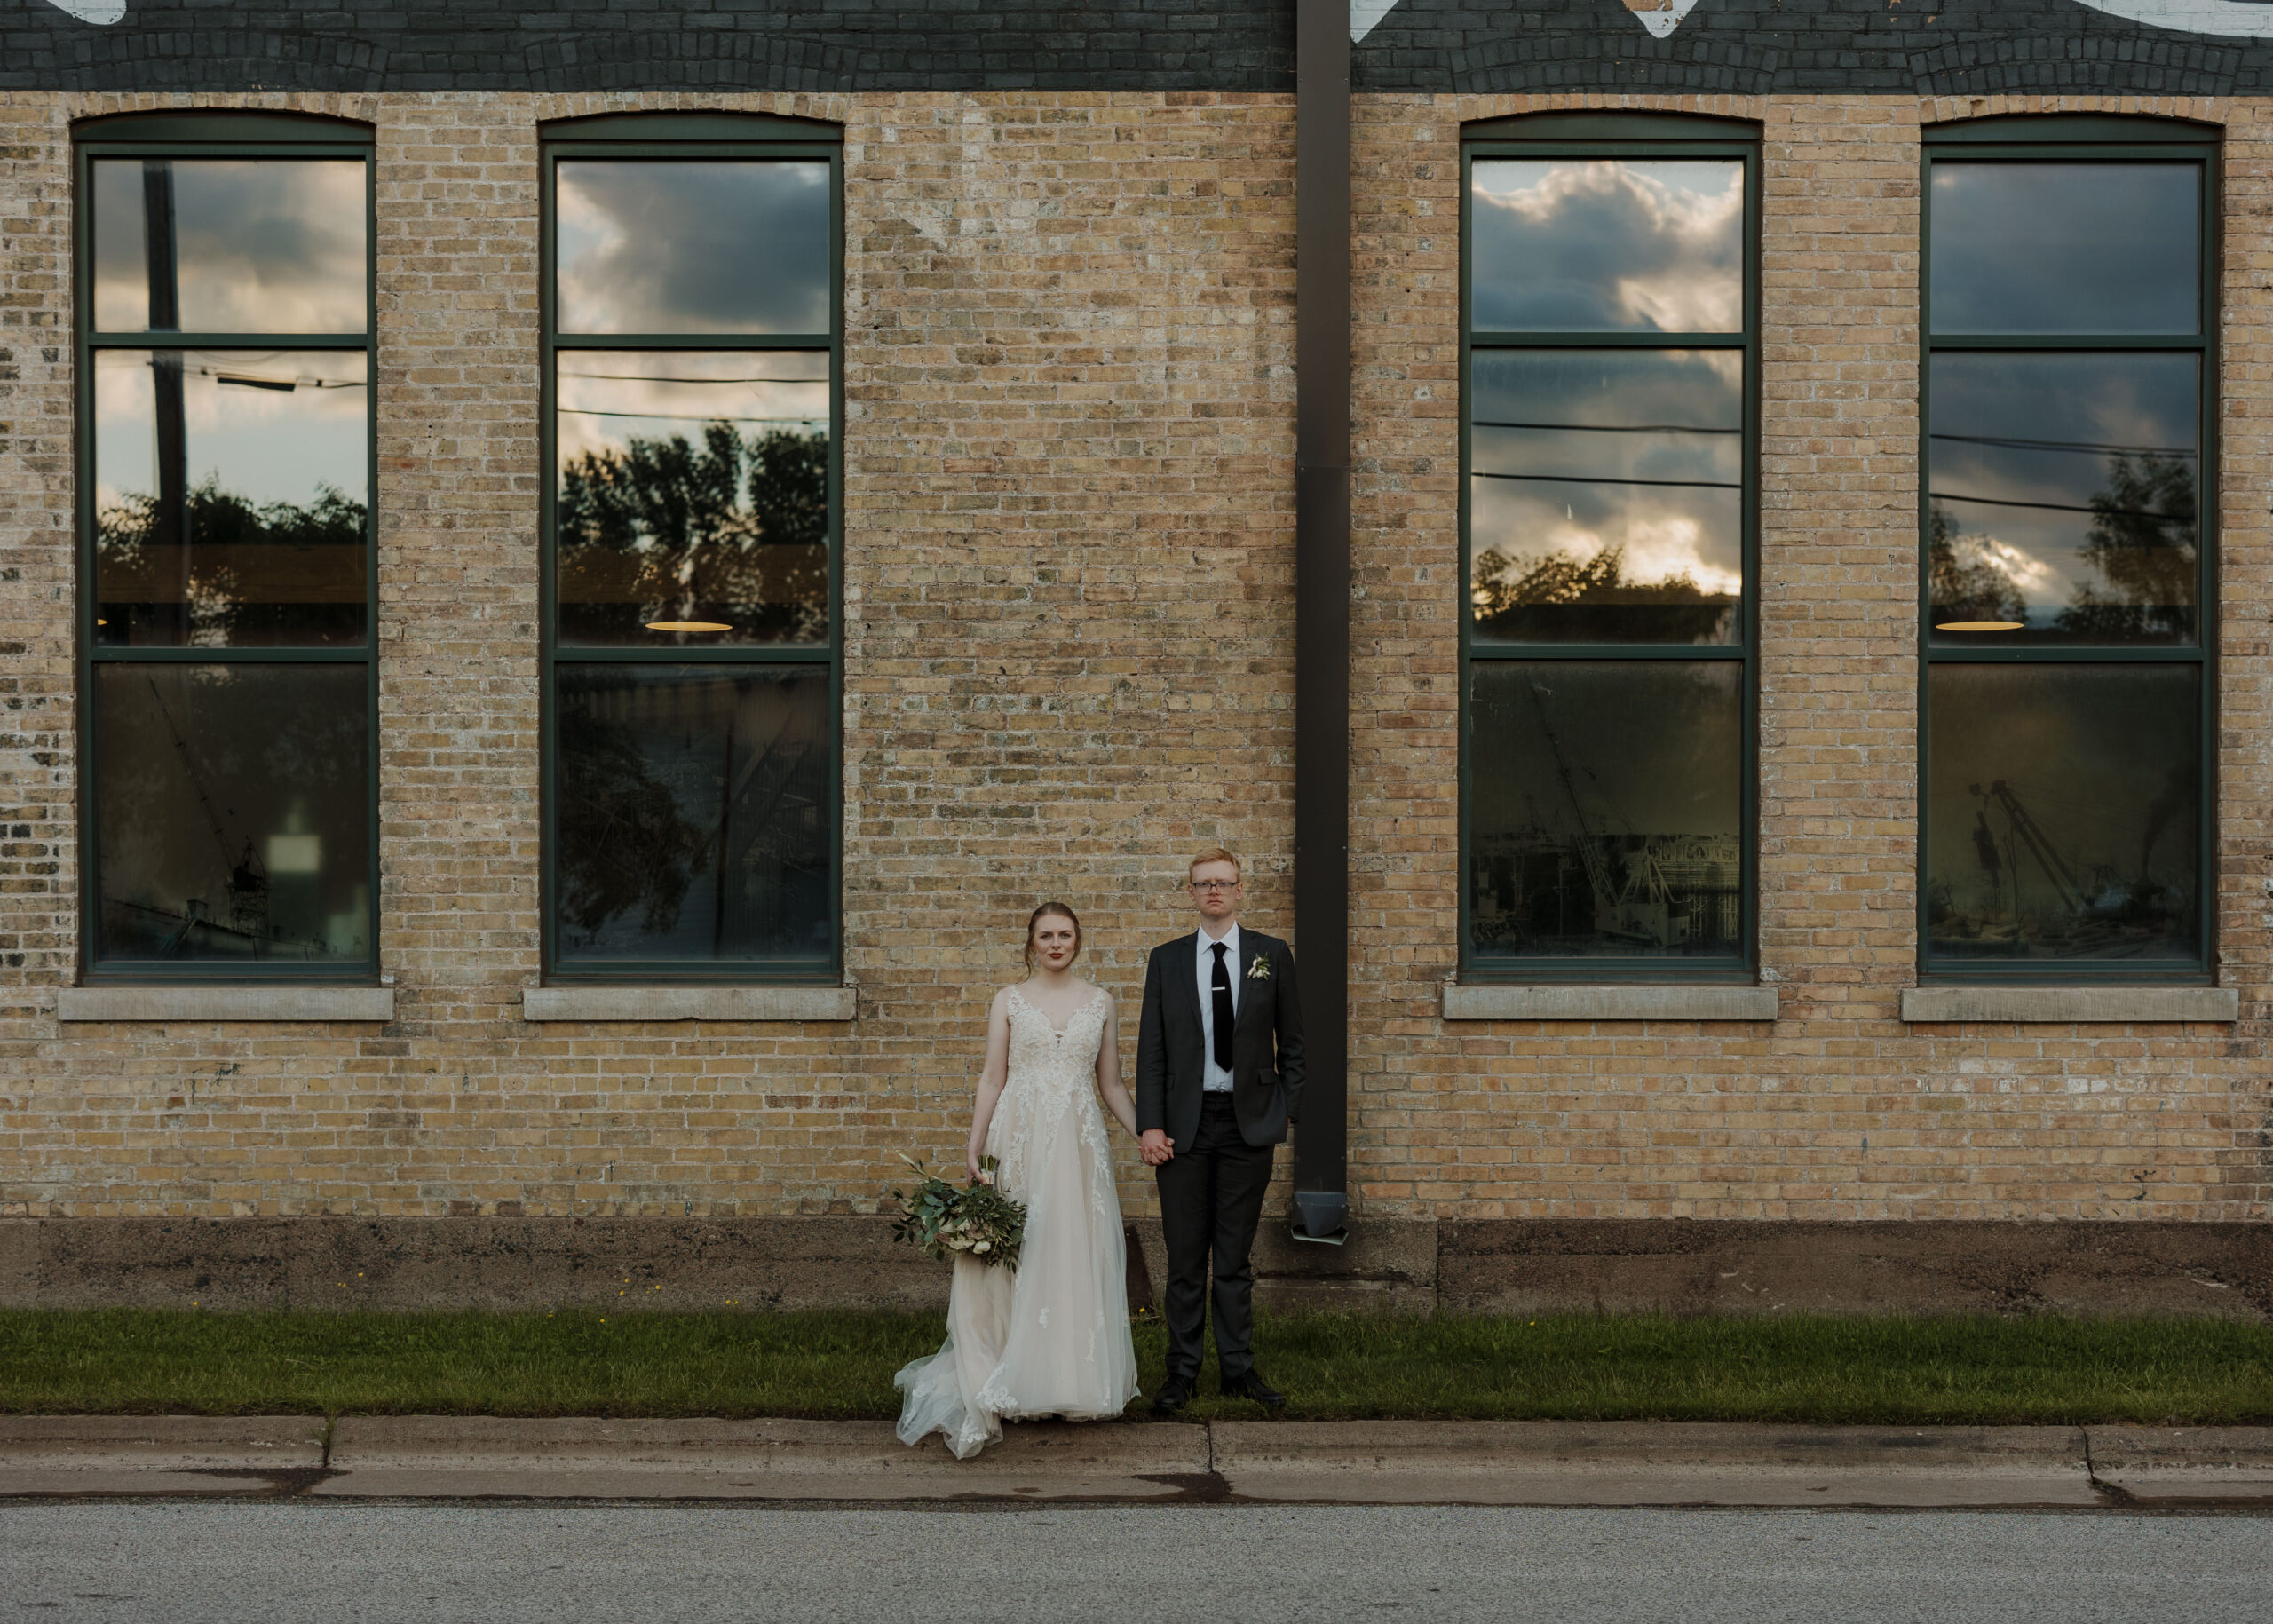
x=1219 y=982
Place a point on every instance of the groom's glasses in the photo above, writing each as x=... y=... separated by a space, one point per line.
x=1215 y=885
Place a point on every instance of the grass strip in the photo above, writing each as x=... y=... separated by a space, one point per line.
x=840 y=1365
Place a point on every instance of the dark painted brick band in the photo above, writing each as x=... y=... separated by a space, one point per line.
x=625 y=45
x=1739 y=46
x=1752 y=47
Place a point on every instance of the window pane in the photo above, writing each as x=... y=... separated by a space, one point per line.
x=1596 y=245
x=693 y=246
x=2064 y=498
x=694 y=496
x=1605 y=806
x=1606 y=495
x=235 y=814
x=2064 y=811
x=693 y=814
x=2066 y=247
x=243 y=245
x=230 y=493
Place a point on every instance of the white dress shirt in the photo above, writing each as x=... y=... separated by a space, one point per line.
x=1214 y=1078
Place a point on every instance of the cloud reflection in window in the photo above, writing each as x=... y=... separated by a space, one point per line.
x=710 y=246
x=2065 y=248
x=1607 y=245
x=1606 y=495
x=266 y=245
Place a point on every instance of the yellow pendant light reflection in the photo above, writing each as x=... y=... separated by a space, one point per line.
x=1979 y=625
x=689 y=626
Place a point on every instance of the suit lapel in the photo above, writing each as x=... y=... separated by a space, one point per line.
x=1187 y=979
x=1250 y=945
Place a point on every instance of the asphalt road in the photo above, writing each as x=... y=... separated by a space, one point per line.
x=250 y=1563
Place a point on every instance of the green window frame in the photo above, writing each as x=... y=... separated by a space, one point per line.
x=1728 y=659
x=259 y=888
x=569 y=655
x=2087 y=906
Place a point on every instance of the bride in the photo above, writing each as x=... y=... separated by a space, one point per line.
x=1051 y=1337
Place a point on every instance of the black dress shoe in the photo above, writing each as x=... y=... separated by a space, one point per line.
x=1253 y=1386
x=1174 y=1393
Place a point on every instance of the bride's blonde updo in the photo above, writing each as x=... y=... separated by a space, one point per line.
x=1063 y=912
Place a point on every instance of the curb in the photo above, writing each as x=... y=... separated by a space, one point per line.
x=1370 y=1462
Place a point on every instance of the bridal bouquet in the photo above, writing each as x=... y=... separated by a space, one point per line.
x=946 y=1221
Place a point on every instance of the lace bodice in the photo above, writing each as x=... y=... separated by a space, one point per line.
x=1052 y=1078
x=1050 y=1059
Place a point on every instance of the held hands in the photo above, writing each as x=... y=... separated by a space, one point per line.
x=1152 y=1144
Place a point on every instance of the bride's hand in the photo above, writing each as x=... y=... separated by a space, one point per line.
x=973 y=1160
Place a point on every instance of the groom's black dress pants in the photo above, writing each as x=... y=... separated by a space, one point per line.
x=1211 y=1199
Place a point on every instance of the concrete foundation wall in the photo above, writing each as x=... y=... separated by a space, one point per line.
x=1401 y=1266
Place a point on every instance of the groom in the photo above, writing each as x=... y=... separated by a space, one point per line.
x=1219 y=1073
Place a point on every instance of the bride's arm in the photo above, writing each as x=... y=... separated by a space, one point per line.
x=1108 y=1083
x=991 y=1078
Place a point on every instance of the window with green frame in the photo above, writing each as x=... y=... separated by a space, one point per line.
x=1609 y=306
x=692 y=399
x=226 y=464
x=2065 y=578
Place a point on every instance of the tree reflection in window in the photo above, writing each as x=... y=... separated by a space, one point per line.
x=727 y=530
x=2145 y=547
x=2064 y=497
x=1553 y=595
x=231 y=497
x=319 y=544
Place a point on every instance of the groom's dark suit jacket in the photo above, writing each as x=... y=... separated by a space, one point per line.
x=1266 y=1041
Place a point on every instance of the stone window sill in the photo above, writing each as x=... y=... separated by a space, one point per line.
x=225 y=1003
x=2068 y=1005
x=1640 y=1001
x=653 y=1003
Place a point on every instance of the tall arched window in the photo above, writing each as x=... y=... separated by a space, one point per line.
x=227 y=563
x=2066 y=538
x=1608 y=516
x=692 y=377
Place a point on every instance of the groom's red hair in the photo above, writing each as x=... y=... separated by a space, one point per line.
x=1213 y=854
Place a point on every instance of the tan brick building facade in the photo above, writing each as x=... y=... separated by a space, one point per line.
x=1068 y=662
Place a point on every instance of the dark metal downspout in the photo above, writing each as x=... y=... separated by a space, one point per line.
x=1322 y=608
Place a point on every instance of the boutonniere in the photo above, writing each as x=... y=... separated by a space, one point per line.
x=1260 y=971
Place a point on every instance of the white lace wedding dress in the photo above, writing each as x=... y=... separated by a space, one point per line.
x=1051 y=1337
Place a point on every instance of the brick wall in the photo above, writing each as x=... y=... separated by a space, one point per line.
x=1068 y=640
x=1838 y=1111
x=1068 y=621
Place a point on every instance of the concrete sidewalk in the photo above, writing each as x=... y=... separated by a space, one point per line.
x=1541 y=1463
